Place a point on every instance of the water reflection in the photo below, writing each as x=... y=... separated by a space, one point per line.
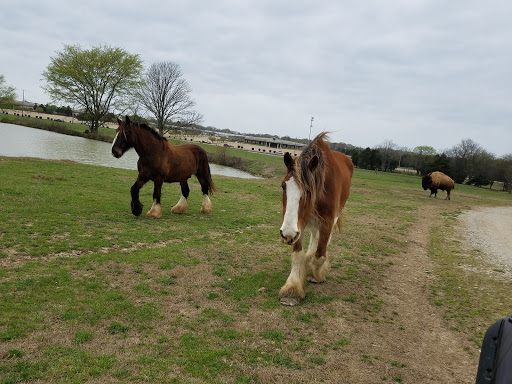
x=20 y=141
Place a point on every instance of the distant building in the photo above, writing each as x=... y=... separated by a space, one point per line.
x=273 y=142
x=24 y=104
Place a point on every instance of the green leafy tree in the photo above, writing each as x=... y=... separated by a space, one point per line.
x=355 y=158
x=436 y=162
x=7 y=94
x=95 y=80
x=370 y=158
x=50 y=109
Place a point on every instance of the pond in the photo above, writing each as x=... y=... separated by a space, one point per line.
x=20 y=141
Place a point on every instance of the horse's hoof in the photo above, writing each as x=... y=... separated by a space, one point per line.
x=311 y=279
x=289 y=301
x=155 y=212
x=137 y=209
x=177 y=210
x=206 y=205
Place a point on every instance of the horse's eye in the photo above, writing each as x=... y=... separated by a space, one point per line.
x=283 y=185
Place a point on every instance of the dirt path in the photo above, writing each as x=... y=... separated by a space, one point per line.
x=433 y=352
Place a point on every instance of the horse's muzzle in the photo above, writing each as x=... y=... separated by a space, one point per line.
x=117 y=153
x=290 y=239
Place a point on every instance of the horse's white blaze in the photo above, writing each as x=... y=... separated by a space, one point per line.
x=114 y=142
x=291 y=213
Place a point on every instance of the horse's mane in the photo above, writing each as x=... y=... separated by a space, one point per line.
x=312 y=182
x=151 y=130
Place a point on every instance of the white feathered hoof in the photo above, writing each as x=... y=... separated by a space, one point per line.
x=206 y=206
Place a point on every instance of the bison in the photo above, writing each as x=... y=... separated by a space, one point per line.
x=437 y=180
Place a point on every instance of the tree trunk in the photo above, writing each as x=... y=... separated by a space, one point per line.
x=160 y=126
x=94 y=126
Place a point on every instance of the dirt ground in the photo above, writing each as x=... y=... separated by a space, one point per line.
x=436 y=350
x=433 y=351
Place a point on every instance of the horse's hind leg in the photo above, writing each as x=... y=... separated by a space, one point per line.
x=182 y=205
x=156 y=209
x=206 y=205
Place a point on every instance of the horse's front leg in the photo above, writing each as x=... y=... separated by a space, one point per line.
x=313 y=245
x=292 y=292
x=136 y=204
x=182 y=205
x=318 y=264
x=156 y=209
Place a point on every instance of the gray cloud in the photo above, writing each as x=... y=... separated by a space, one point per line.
x=415 y=72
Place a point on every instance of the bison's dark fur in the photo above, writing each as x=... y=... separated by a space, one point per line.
x=437 y=180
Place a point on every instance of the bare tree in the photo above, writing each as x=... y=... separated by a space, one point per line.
x=461 y=155
x=166 y=95
x=388 y=153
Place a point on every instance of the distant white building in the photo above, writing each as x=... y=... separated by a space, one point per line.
x=273 y=142
x=24 y=104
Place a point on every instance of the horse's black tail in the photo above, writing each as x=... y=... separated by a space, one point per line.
x=211 y=186
x=204 y=175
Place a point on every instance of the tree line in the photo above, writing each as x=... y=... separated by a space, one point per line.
x=52 y=108
x=104 y=82
x=466 y=162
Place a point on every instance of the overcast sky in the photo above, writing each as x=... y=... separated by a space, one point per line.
x=414 y=72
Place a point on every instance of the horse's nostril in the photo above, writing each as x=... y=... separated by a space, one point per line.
x=290 y=239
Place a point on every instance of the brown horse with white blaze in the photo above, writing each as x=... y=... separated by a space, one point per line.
x=162 y=162
x=315 y=190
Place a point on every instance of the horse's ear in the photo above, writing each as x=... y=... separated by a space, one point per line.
x=119 y=121
x=127 y=120
x=313 y=163
x=288 y=161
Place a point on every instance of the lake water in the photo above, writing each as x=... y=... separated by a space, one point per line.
x=20 y=141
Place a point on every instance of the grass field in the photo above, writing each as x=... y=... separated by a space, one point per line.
x=90 y=293
x=74 y=129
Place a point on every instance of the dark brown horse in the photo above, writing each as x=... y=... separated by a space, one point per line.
x=315 y=189
x=161 y=162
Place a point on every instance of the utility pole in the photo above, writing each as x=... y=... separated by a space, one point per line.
x=23 y=102
x=310 y=126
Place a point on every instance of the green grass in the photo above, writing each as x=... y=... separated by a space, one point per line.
x=74 y=129
x=88 y=292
